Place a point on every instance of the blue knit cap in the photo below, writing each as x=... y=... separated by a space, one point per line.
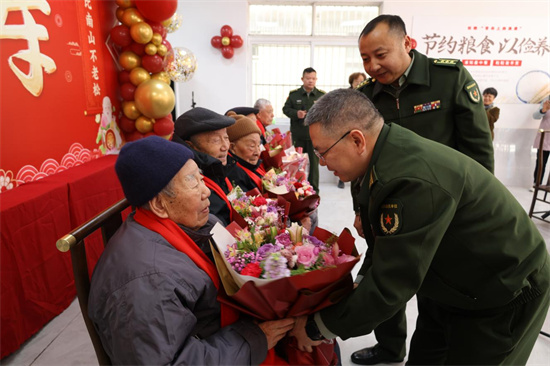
x=144 y=167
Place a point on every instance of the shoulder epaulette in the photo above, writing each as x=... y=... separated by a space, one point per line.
x=322 y=91
x=293 y=90
x=447 y=62
x=366 y=82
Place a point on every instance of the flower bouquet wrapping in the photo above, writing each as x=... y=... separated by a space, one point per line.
x=272 y=275
x=298 y=192
x=275 y=147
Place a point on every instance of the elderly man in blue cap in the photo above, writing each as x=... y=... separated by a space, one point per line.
x=153 y=298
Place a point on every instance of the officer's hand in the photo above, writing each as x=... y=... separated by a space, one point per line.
x=275 y=330
x=302 y=114
x=545 y=106
x=299 y=331
x=357 y=225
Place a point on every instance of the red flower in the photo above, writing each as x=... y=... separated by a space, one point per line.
x=259 y=201
x=298 y=185
x=252 y=269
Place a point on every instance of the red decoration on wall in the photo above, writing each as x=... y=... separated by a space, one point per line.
x=226 y=42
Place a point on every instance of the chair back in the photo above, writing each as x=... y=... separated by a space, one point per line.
x=540 y=163
x=108 y=221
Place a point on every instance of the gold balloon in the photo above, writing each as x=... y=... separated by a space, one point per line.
x=129 y=60
x=151 y=49
x=132 y=16
x=138 y=75
x=162 y=76
x=124 y=4
x=130 y=110
x=119 y=13
x=226 y=41
x=144 y=124
x=141 y=32
x=162 y=50
x=157 y=39
x=154 y=98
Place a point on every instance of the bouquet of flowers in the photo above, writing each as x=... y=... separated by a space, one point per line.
x=251 y=209
x=289 y=274
x=275 y=147
x=299 y=193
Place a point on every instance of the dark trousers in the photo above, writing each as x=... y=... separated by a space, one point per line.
x=392 y=336
x=505 y=336
x=313 y=176
x=545 y=155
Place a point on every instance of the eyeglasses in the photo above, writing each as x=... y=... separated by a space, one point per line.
x=321 y=156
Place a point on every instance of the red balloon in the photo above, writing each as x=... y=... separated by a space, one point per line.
x=149 y=134
x=413 y=43
x=227 y=51
x=157 y=10
x=127 y=125
x=137 y=48
x=167 y=44
x=124 y=77
x=164 y=126
x=226 y=31
x=152 y=63
x=127 y=91
x=121 y=35
x=133 y=136
x=236 y=41
x=157 y=28
x=216 y=42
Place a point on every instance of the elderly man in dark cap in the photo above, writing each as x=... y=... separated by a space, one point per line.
x=153 y=297
x=205 y=131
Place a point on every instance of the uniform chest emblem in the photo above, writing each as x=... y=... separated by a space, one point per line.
x=298 y=101
x=430 y=106
x=390 y=217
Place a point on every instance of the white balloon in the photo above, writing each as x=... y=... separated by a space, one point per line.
x=181 y=64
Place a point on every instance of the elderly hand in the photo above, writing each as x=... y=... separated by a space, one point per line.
x=275 y=330
x=299 y=331
x=545 y=106
x=358 y=226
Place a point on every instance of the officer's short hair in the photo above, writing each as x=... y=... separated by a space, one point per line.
x=342 y=109
x=491 y=91
x=308 y=70
x=394 y=22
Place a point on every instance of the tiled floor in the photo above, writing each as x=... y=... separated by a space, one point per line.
x=64 y=341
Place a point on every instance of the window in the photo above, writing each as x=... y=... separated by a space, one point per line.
x=285 y=39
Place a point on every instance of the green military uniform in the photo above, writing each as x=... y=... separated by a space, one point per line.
x=444 y=228
x=300 y=100
x=439 y=100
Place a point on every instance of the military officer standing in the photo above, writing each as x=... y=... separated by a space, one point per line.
x=436 y=98
x=297 y=104
x=445 y=229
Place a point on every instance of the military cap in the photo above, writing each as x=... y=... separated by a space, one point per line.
x=245 y=111
x=199 y=120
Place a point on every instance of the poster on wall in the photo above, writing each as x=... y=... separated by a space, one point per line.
x=58 y=89
x=509 y=54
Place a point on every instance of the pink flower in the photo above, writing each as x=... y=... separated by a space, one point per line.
x=306 y=255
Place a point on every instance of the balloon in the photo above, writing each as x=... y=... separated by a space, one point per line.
x=157 y=39
x=154 y=98
x=127 y=91
x=127 y=125
x=181 y=64
x=119 y=13
x=141 y=32
x=158 y=28
x=131 y=16
x=226 y=41
x=171 y=25
x=123 y=77
x=162 y=50
x=164 y=126
x=137 y=48
x=133 y=136
x=227 y=52
x=226 y=31
x=413 y=43
x=121 y=35
x=236 y=41
x=162 y=76
x=153 y=63
x=157 y=10
x=167 y=44
x=138 y=75
x=124 y=4
x=130 y=110
x=144 y=124
x=151 y=49
x=216 y=42
x=129 y=60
